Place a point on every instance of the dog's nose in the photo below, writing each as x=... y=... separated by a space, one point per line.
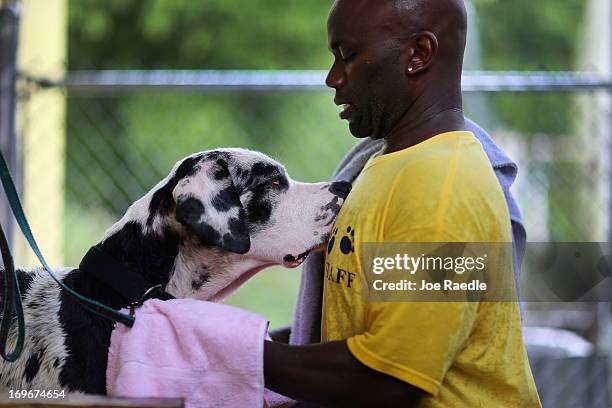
x=340 y=188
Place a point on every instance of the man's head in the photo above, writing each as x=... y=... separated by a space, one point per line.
x=389 y=54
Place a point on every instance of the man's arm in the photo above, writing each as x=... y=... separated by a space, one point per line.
x=327 y=373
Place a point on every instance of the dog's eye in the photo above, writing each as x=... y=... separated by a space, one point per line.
x=277 y=181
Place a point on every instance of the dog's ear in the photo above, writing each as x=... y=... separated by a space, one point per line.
x=208 y=203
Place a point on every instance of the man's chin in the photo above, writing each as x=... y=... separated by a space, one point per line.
x=357 y=132
x=362 y=133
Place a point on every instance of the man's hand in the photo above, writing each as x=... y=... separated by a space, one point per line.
x=328 y=374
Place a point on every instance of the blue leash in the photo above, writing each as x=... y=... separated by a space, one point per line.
x=12 y=295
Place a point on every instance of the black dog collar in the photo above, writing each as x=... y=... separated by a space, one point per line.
x=121 y=278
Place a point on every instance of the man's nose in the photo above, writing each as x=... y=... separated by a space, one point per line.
x=335 y=77
x=340 y=188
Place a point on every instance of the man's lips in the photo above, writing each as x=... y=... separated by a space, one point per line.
x=347 y=108
x=346 y=111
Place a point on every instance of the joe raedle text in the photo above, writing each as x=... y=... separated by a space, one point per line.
x=425 y=285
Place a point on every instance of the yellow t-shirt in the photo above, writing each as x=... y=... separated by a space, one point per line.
x=462 y=354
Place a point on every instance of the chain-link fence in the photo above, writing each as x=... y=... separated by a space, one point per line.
x=125 y=131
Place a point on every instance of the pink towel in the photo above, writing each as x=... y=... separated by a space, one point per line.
x=210 y=354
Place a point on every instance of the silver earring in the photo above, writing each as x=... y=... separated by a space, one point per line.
x=410 y=69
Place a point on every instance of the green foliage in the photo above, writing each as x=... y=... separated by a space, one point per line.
x=527 y=35
x=269 y=34
x=212 y=34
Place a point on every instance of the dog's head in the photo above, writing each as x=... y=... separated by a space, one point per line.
x=218 y=218
x=243 y=202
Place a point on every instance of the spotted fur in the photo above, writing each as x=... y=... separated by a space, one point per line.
x=217 y=219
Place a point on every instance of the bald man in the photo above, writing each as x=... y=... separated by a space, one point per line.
x=397 y=75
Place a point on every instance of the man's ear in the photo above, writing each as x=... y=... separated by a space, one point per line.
x=208 y=204
x=422 y=50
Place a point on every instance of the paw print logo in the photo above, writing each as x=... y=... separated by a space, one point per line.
x=347 y=241
x=332 y=241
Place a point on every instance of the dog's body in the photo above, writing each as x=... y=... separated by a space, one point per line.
x=216 y=220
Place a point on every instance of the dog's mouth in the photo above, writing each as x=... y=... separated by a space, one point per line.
x=293 y=261
x=290 y=261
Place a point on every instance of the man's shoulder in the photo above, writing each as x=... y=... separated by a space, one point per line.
x=446 y=165
x=452 y=189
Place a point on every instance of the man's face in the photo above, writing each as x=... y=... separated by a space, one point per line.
x=366 y=72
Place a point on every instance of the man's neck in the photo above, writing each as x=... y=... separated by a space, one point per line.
x=432 y=122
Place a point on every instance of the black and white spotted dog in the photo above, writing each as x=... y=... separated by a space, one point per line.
x=216 y=220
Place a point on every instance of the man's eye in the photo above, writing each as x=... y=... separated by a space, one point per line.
x=348 y=57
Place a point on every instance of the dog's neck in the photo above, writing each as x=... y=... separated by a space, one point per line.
x=151 y=254
x=208 y=273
